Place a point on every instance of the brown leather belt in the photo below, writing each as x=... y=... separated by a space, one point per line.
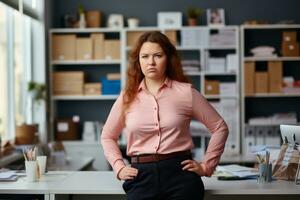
x=146 y=158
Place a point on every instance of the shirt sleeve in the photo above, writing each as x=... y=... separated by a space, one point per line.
x=110 y=136
x=206 y=114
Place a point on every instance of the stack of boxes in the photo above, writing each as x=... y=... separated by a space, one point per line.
x=68 y=83
x=71 y=47
x=269 y=81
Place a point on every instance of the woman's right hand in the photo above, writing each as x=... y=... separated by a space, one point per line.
x=128 y=173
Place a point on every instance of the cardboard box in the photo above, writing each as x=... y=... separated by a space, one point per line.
x=112 y=49
x=132 y=37
x=289 y=36
x=249 y=70
x=66 y=129
x=64 y=47
x=261 y=82
x=93 y=18
x=84 y=48
x=92 y=88
x=113 y=76
x=98 y=45
x=275 y=76
x=212 y=87
x=290 y=49
x=68 y=83
x=172 y=35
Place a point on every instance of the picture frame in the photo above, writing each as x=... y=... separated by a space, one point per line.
x=169 y=19
x=215 y=17
x=115 y=21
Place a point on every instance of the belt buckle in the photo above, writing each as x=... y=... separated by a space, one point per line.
x=156 y=157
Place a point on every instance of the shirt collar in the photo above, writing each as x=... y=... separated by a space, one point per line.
x=167 y=83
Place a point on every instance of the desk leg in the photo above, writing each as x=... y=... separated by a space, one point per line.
x=52 y=197
x=46 y=197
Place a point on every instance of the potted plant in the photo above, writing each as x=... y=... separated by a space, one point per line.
x=193 y=15
x=37 y=90
x=81 y=13
x=26 y=133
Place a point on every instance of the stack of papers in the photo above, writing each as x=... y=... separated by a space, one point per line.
x=8 y=176
x=236 y=170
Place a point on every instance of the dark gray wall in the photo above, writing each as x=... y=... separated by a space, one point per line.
x=236 y=11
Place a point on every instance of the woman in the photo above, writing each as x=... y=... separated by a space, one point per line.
x=155 y=111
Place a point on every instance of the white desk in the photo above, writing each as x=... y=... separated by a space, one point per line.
x=104 y=185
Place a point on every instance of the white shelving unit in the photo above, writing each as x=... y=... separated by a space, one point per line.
x=249 y=34
x=66 y=65
x=198 y=50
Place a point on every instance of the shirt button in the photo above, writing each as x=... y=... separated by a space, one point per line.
x=155 y=108
x=156 y=124
x=155 y=147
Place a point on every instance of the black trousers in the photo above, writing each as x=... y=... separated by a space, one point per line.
x=164 y=180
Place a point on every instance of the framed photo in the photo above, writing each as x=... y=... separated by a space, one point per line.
x=115 y=21
x=215 y=17
x=169 y=19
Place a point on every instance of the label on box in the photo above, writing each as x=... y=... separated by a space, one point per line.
x=62 y=127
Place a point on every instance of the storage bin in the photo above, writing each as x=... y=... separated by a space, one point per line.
x=111 y=86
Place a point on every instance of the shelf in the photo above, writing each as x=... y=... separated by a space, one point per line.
x=271 y=26
x=193 y=73
x=84 y=30
x=273 y=95
x=222 y=47
x=272 y=58
x=219 y=73
x=84 y=97
x=191 y=48
x=86 y=62
x=145 y=28
x=221 y=96
x=271 y=124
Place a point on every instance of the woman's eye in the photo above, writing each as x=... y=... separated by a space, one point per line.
x=144 y=56
x=158 y=56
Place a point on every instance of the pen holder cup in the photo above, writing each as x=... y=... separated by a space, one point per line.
x=264 y=173
x=42 y=162
x=31 y=169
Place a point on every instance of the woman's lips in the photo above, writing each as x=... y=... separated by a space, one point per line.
x=151 y=70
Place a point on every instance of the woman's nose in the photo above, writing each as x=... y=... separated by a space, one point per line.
x=151 y=60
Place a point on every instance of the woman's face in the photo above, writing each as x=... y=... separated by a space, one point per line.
x=153 y=61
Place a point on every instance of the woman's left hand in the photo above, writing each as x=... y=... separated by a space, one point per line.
x=193 y=166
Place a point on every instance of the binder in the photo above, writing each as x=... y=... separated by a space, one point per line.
x=260 y=135
x=249 y=138
x=271 y=138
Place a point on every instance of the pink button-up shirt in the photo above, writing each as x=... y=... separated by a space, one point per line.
x=160 y=124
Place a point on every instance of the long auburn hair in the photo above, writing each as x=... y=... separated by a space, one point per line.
x=134 y=73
